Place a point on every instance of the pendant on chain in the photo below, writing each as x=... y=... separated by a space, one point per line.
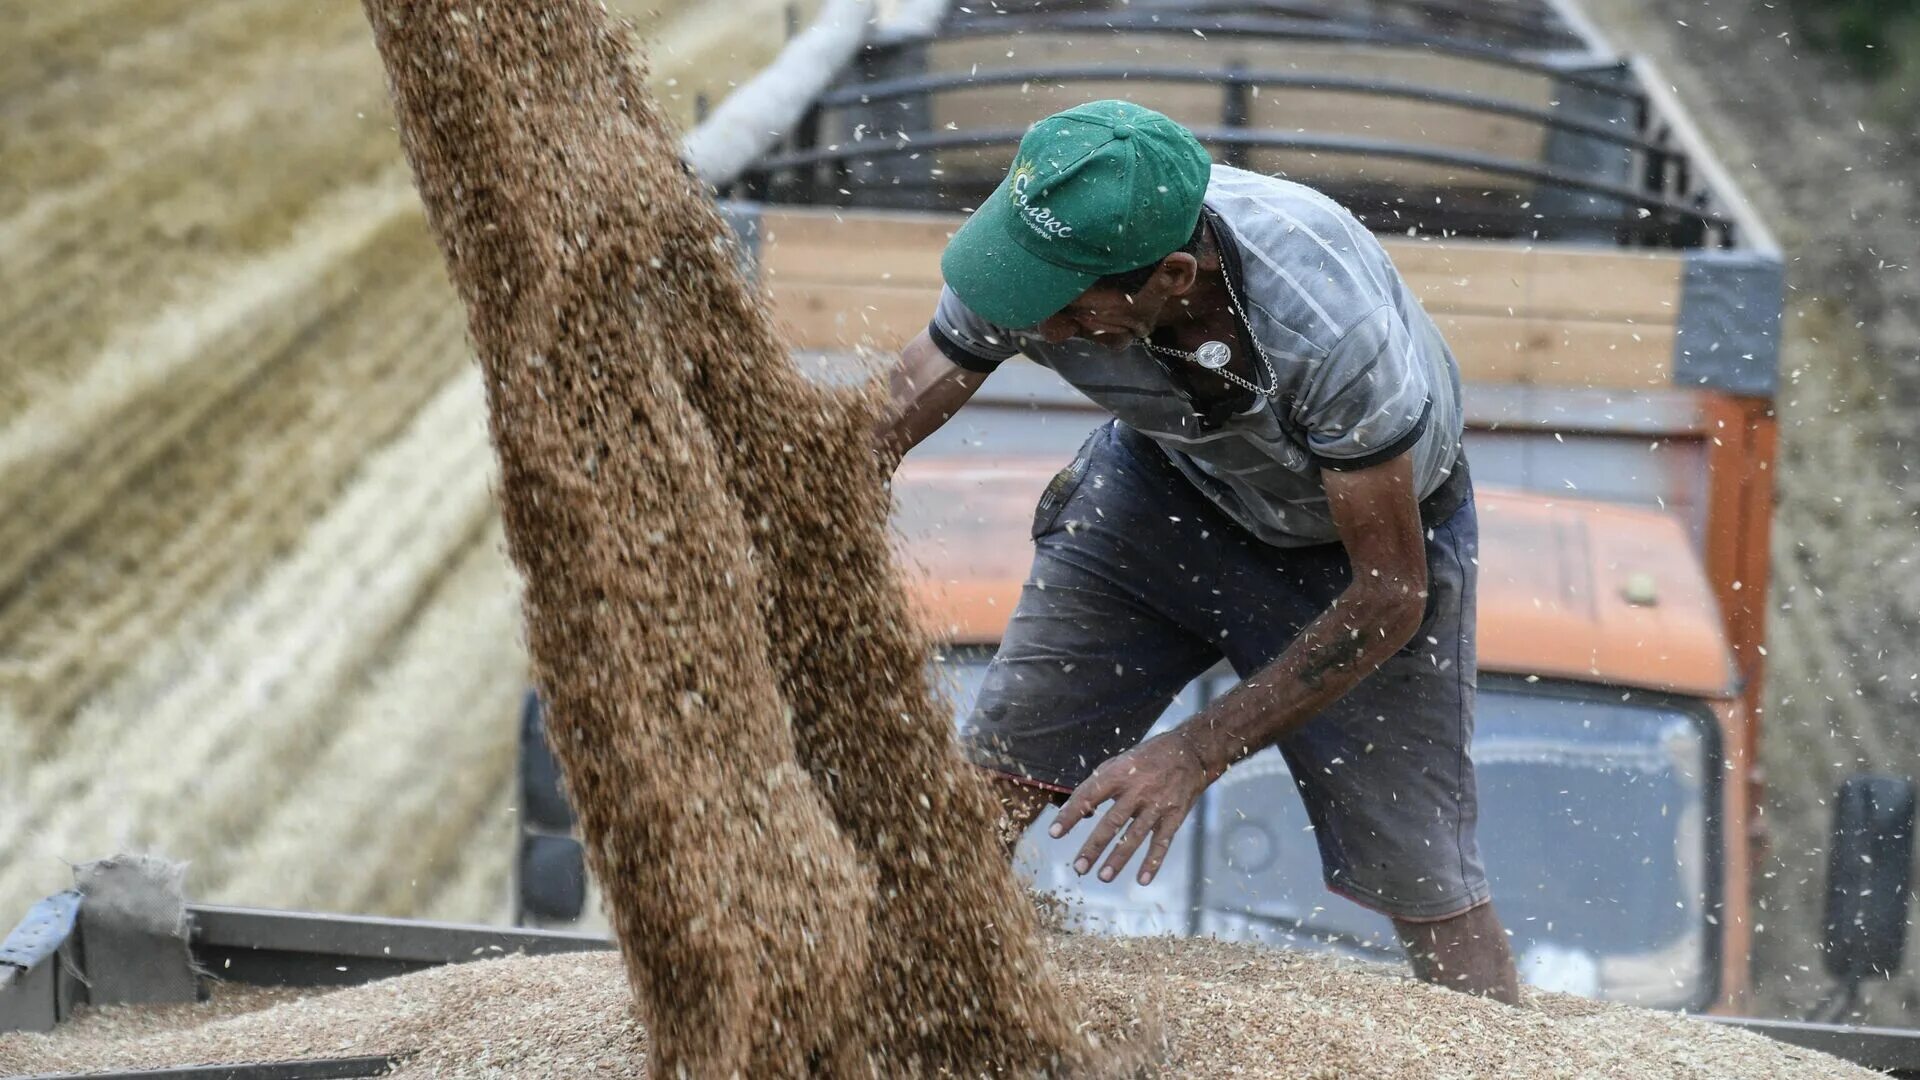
x=1213 y=355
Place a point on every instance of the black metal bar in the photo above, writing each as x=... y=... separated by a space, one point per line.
x=343 y=1068
x=907 y=86
x=1531 y=14
x=1329 y=144
x=1412 y=209
x=806 y=136
x=1656 y=164
x=1529 y=19
x=1307 y=929
x=1236 y=111
x=751 y=186
x=1533 y=33
x=1886 y=1049
x=1254 y=26
x=289 y=948
x=1199 y=829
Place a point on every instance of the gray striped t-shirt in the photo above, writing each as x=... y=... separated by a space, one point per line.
x=1364 y=374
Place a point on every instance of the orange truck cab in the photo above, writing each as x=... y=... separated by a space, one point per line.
x=1614 y=307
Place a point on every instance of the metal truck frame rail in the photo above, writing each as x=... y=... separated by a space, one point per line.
x=1266 y=27
x=46 y=970
x=1668 y=221
x=1232 y=79
x=1516 y=25
x=1659 y=201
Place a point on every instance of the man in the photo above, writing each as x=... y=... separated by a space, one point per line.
x=1282 y=487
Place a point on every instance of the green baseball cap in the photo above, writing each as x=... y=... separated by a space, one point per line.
x=1102 y=188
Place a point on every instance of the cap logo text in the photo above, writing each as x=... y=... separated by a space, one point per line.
x=1040 y=219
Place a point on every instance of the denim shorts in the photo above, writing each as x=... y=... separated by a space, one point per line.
x=1140 y=584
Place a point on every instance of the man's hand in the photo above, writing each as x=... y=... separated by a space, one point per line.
x=1152 y=787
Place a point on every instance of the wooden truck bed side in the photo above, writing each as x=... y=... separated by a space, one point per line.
x=1531 y=315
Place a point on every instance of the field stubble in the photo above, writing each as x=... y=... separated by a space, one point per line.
x=252 y=608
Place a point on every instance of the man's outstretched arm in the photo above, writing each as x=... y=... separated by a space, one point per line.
x=1378 y=517
x=1153 y=786
x=924 y=391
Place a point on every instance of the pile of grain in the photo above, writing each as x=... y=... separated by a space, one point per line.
x=1228 y=1010
x=801 y=873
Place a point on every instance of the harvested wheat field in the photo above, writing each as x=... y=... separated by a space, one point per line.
x=1225 y=1011
x=253 y=612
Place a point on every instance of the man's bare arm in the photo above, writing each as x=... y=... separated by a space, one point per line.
x=1378 y=518
x=1155 y=785
x=924 y=391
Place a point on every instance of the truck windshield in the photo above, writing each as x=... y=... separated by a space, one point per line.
x=1597 y=826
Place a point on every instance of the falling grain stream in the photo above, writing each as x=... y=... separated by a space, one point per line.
x=801 y=873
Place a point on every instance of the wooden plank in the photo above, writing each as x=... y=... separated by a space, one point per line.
x=819 y=315
x=1598 y=354
x=1492 y=349
x=885 y=265
x=904 y=229
x=1316 y=169
x=854 y=246
x=1487 y=278
x=1279 y=109
x=1568 y=353
x=1488 y=348
x=1512 y=313
x=1598 y=283
x=1493 y=278
x=977 y=108
x=1591 y=284
x=987 y=107
x=1490 y=279
x=1397 y=119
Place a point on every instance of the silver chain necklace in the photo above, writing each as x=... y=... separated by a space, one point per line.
x=1215 y=355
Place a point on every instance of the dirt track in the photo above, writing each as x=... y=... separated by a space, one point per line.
x=252 y=610
x=1830 y=164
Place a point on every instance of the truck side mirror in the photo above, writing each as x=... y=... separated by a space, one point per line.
x=550 y=873
x=1869 y=871
x=553 y=878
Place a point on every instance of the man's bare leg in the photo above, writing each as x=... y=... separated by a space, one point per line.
x=1020 y=805
x=1468 y=952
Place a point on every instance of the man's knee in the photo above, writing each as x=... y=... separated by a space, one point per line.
x=1467 y=952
